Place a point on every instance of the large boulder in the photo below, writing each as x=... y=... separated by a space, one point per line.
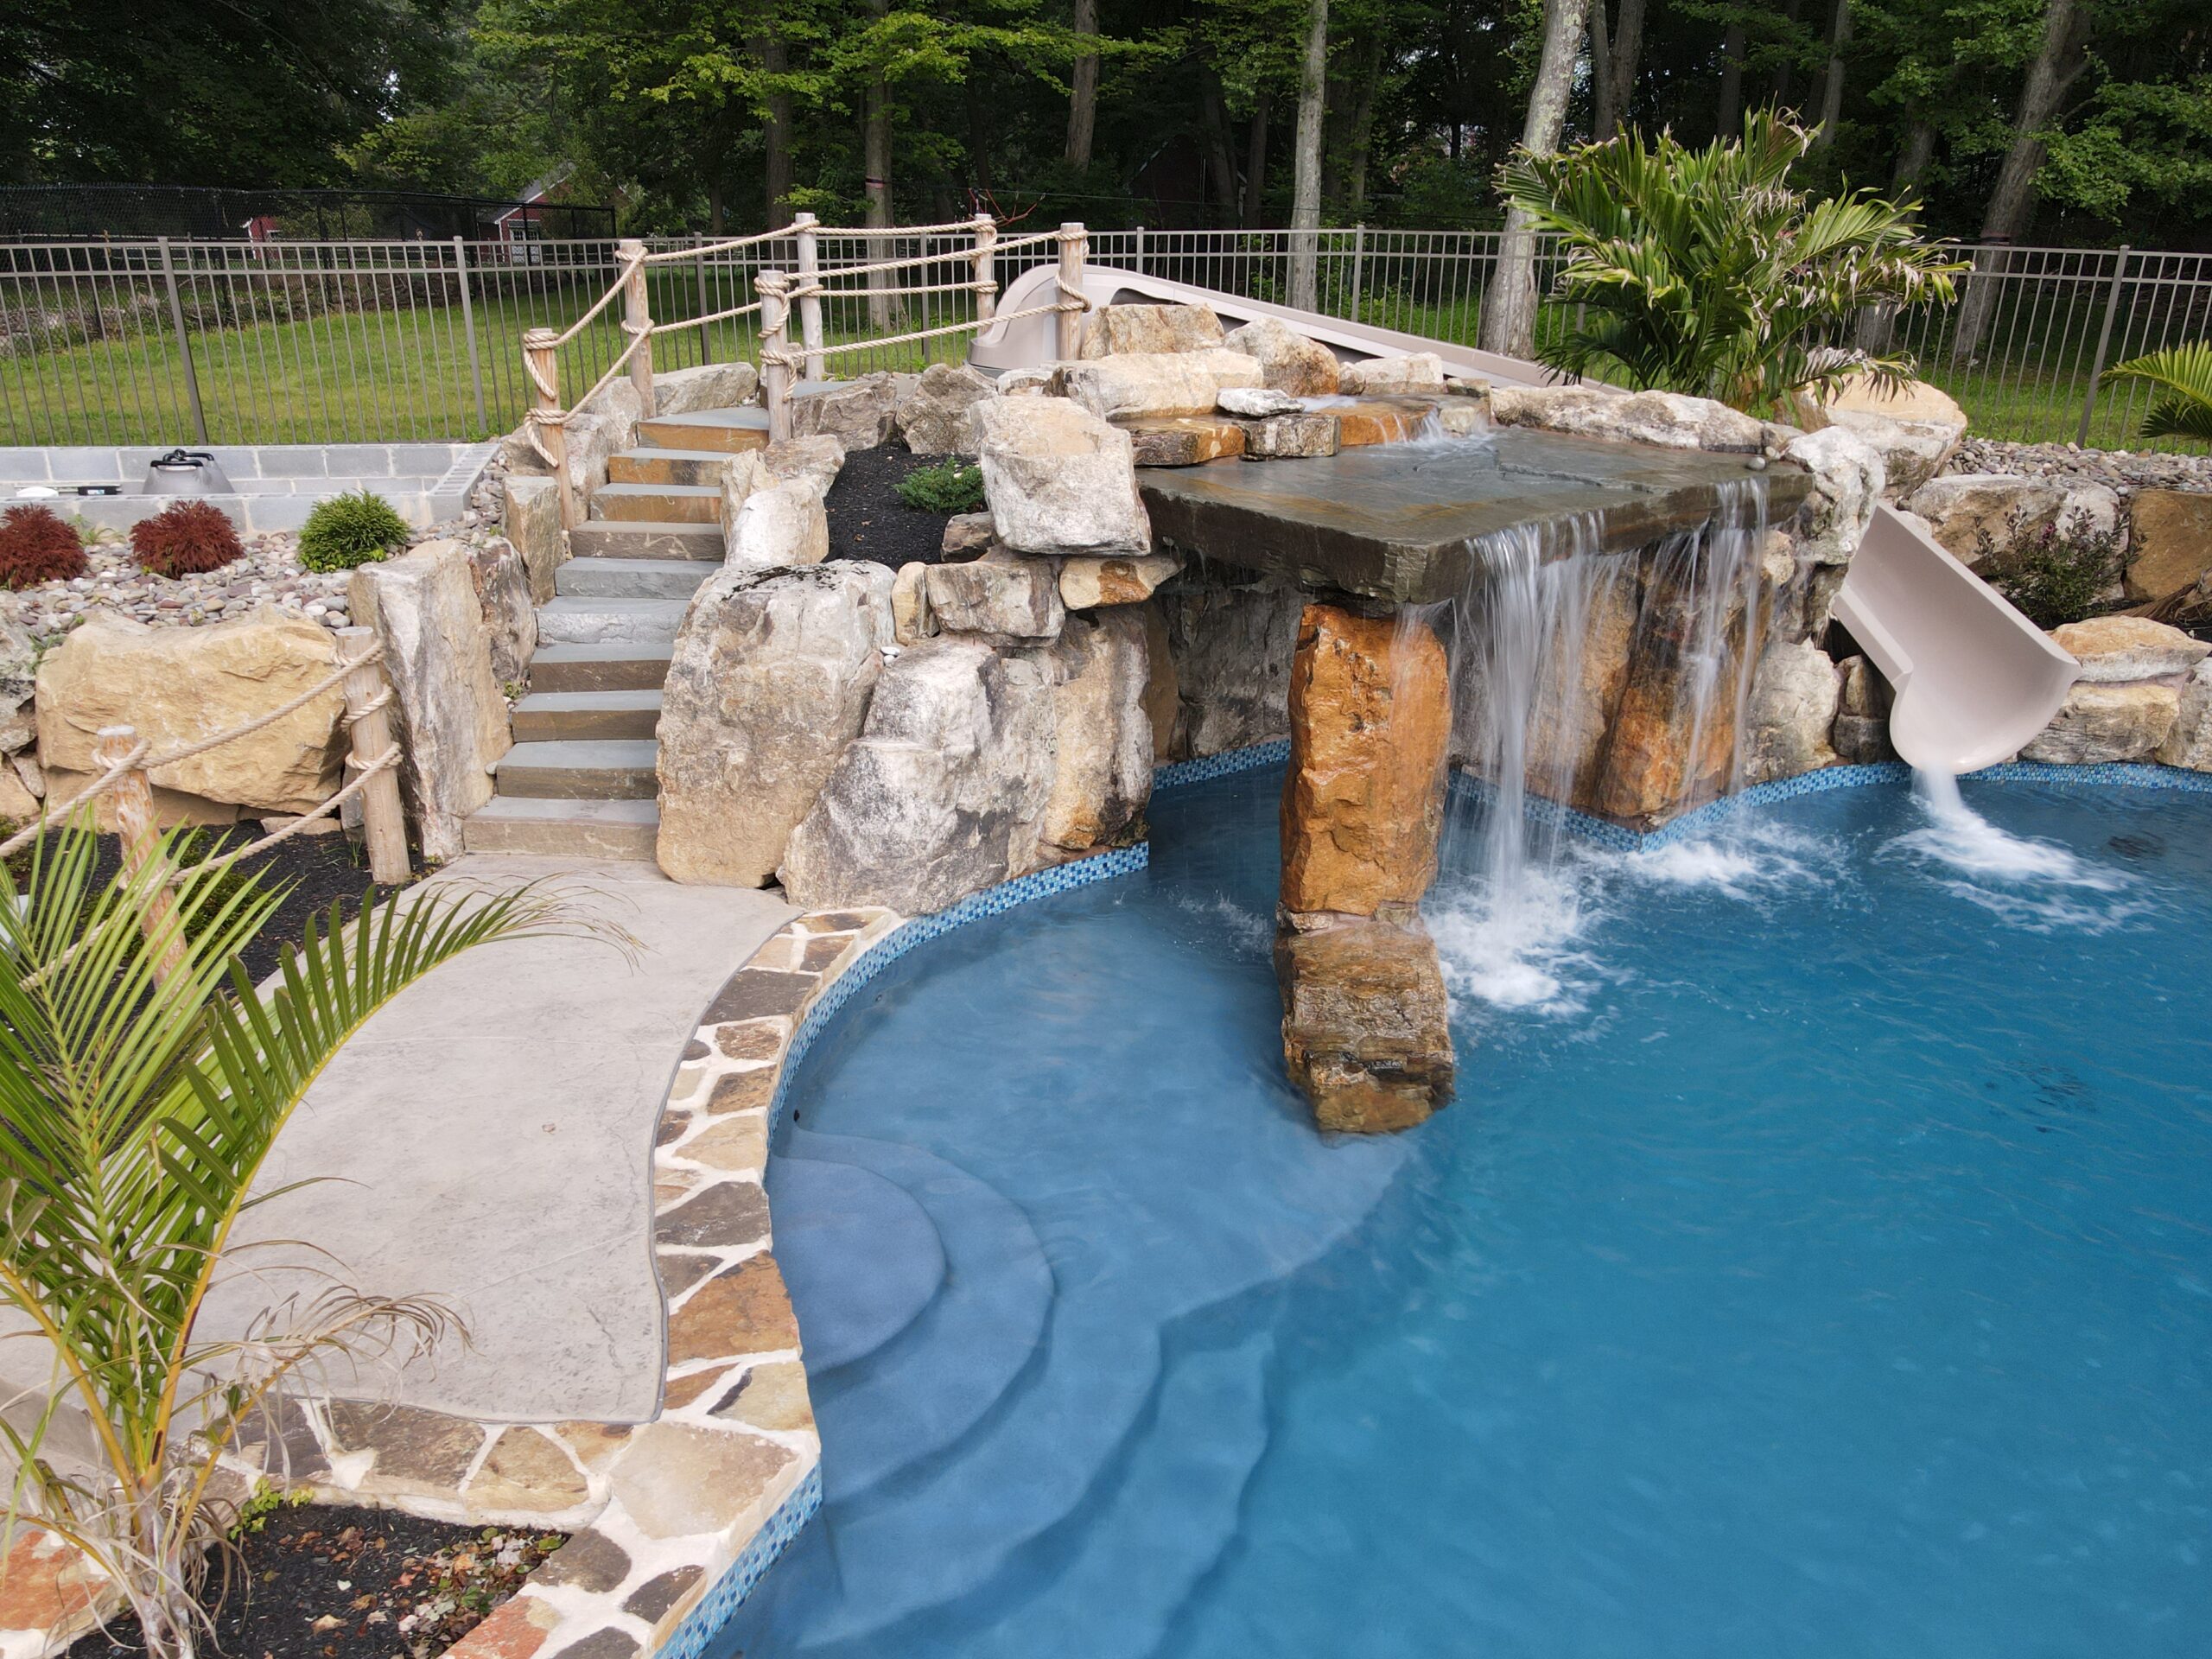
x=2169 y=541
x=936 y=418
x=1986 y=519
x=1666 y=418
x=437 y=654
x=1102 y=743
x=1004 y=597
x=1288 y=361
x=943 y=792
x=816 y=460
x=783 y=524
x=503 y=595
x=707 y=385
x=1292 y=437
x=1410 y=375
x=1847 y=478
x=18 y=684
x=1232 y=649
x=1087 y=583
x=1366 y=1024
x=857 y=413
x=2104 y=722
x=533 y=521
x=1150 y=328
x=1059 y=478
x=2188 y=741
x=1185 y=440
x=1860 y=736
x=177 y=685
x=1362 y=801
x=768 y=680
x=2113 y=649
x=1790 y=724
x=1157 y=383
x=1913 y=427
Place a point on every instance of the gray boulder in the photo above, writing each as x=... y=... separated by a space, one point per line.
x=1004 y=597
x=533 y=524
x=941 y=795
x=815 y=459
x=935 y=419
x=1231 y=648
x=1288 y=361
x=1060 y=480
x=783 y=524
x=2102 y=723
x=1792 y=712
x=510 y=621
x=1847 y=480
x=768 y=681
x=857 y=413
x=2188 y=741
x=1410 y=374
x=1985 y=520
x=1666 y=418
x=1148 y=328
x=1101 y=753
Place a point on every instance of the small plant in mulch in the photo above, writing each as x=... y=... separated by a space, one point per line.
x=350 y=531
x=37 y=545
x=186 y=538
x=952 y=486
x=2056 y=573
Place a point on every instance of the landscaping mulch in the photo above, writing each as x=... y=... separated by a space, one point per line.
x=868 y=521
x=316 y=870
x=321 y=1581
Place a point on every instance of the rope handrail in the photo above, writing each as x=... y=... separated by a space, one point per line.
x=896 y=264
x=734 y=311
x=861 y=230
x=792 y=359
x=671 y=256
x=815 y=290
x=597 y=305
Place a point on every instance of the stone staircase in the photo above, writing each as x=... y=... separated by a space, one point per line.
x=580 y=779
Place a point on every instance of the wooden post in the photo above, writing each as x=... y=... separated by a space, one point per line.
x=775 y=321
x=987 y=293
x=132 y=796
x=1074 y=245
x=809 y=305
x=541 y=359
x=638 y=322
x=383 y=820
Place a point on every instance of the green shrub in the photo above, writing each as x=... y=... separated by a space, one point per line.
x=2054 y=574
x=951 y=486
x=350 y=529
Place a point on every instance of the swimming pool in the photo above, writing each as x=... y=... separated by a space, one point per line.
x=1816 y=1260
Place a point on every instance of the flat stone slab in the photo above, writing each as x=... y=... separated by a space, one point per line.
x=1406 y=521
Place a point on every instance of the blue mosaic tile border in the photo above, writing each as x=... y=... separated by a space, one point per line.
x=1220 y=766
x=720 y=1605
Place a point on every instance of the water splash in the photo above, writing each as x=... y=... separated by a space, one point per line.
x=2031 y=884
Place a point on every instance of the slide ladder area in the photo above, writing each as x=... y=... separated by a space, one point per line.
x=1027 y=342
x=1974 y=678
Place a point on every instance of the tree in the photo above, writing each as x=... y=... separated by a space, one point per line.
x=1305 y=186
x=1704 y=271
x=1082 y=99
x=142 y=1093
x=1510 y=305
x=1614 y=60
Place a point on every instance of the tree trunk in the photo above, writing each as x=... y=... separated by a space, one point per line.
x=715 y=220
x=1912 y=159
x=1255 y=162
x=776 y=59
x=875 y=166
x=1220 y=152
x=1509 y=306
x=1832 y=82
x=1083 y=101
x=1305 y=172
x=1778 y=89
x=2057 y=61
x=1361 y=148
x=1730 y=114
x=1628 y=54
x=1601 y=74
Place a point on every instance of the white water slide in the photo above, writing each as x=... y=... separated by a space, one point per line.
x=1973 y=679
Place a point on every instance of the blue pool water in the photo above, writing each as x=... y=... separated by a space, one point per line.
x=1816 y=1261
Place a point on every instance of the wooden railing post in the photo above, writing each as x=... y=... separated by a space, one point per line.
x=1074 y=244
x=809 y=305
x=986 y=293
x=384 y=821
x=637 y=321
x=772 y=287
x=133 y=798
x=542 y=362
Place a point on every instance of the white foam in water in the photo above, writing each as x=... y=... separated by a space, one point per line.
x=2032 y=883
x=1523 y=955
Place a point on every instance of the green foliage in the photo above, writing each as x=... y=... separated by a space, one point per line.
x=1703 y=271
x=349 y=531
x=951 y=486
x=142 y=1102
x=2182 y=377
x=2056 y=574
x=263 y=1501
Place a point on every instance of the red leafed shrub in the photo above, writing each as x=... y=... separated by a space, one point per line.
x=184 y=539
x=37 y=545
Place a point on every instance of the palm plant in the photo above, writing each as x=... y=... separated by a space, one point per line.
x=2182 y=377
x=143 y=1082
x=1702 y=271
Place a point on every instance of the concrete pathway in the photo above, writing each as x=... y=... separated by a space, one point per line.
x=492 y=1133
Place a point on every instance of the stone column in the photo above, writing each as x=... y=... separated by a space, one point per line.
x=1365 y=1028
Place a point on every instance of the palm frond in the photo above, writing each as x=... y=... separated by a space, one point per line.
x=2183 y=377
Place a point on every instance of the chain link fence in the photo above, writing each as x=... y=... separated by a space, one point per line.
x=162 y=342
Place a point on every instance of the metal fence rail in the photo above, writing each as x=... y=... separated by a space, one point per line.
x=177 y=341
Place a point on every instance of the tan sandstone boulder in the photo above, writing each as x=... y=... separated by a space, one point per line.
x=1366 y=1025
x=1059 y=478
x=2169 y=541
x=2102 y=723
x=1288 y=361
x=2114 y=649
x=1157 y=383
x=1149 y=328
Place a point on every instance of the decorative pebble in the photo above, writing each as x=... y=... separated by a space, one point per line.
x=2123 y=470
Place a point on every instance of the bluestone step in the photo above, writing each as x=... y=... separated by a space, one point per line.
x=928 y=1387
x=574 y=620
x=562 y=828
x=689 y=504
x=631 y=578
x=857 y=1253
x=599 y=668
x=552 y=716
x=637 y=538
x=653 y=465
x=730 y=430
x=571 y=770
